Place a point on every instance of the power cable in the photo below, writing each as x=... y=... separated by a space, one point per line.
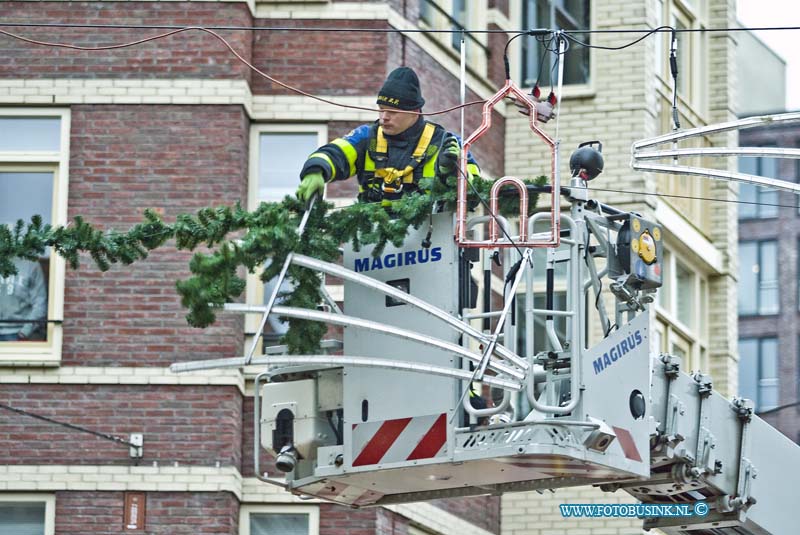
x=250 y=28
x=691 y=197
x=539 y=33
x=621 y=47
x=778 y=409
x=689 y=30
x=74 y=427
x=378 y=30
x=237 y=56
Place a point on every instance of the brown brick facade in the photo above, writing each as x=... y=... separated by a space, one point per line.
x=785 y=229
x=177 y=159
x=188 y=425
x=191 y=54
x=174 y=159
x=168 y=513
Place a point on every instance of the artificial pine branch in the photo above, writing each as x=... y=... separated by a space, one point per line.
x=266 y=234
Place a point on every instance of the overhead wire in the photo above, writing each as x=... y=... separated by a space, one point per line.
x=237 y=56
x=173 y=30
x=621 y=47
x=379 y=30
x=68 y=425
x=695 y=198
x=540 y=34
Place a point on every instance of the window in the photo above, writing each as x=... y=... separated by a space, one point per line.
x=758 y=277
x=692 y=55
x=683 y=41
x=684 y=294
x=681 y=328
x=277 y=154
x=460 y=16
x=279 y=520
x=426 y=11
x=34 y=153
x=758 y=371
x=541 y=66
x=27 y=514
x=764 y=197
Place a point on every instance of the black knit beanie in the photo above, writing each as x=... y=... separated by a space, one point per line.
x=401 y=90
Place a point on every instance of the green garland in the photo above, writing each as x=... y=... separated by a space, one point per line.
x=269 y=232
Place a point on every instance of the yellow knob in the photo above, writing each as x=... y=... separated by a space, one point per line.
x=647 y=248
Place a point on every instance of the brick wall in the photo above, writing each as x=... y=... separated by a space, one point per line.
x=124 y=159
x=176 y=159
x=337 y=520
x=482 y=511
x=189 y=54
x=390 y=523
x=167 y=513
x=497 y=42
x=501 y=5
x=325 y=63
x=183 y=424
x=266 y=461
x=785 y=229
x=531 y=513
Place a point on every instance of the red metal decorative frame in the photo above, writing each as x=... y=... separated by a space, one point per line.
x=554 y=238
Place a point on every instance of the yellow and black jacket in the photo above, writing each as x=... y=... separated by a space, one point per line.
x=387 y=167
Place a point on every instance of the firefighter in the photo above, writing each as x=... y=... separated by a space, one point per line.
x=391 y=155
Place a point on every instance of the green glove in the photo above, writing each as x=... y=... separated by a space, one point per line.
x=311 y=184
x=448 y=158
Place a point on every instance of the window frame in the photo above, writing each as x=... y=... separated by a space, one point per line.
x=49 y=507
x=476 y=17
x=254 y=292
x=247 y=509
x=691 y=337
x=759 y=340
x=761 y=192
x=516 y=8
x=759 y=282
x=694 y=17
x=256 y=130
x=48 y=352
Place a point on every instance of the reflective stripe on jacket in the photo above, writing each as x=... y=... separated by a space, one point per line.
x=387 y=167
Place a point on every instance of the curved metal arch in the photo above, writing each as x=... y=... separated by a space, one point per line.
x=639 y=156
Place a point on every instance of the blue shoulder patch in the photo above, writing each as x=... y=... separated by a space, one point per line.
x=358 y=135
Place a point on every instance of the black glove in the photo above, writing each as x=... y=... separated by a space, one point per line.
x=447 y=160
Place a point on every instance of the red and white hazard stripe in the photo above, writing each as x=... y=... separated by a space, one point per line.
x=402 y=439
x=627 y=444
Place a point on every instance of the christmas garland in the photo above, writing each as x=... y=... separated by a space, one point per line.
x=267 y=233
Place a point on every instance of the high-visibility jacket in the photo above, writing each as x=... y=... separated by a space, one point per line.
x=387 y=167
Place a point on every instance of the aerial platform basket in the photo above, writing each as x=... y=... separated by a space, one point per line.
x=391 y=421
x=384 y=423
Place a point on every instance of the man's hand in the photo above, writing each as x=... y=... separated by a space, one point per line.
x=448 y=158
x=311 y=184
